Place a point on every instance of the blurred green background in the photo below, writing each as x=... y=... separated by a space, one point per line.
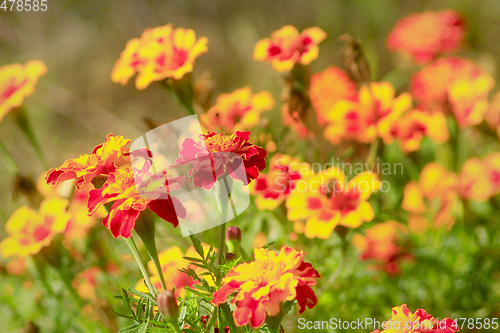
x=75 y=105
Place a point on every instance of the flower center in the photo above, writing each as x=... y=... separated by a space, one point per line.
x=219 y=143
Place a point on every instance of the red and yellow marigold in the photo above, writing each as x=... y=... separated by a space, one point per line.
x=160 y=53
x=287 y=47
x=213 y=155
x=326 y=200
x=371 y=116
x=237 y=111
x=382 y=244
x=433 y=196
x=430 y=86
x=413 y=126
x=273 y=188
x=422 y=36
x=404 y=321
x=18 y=82
x=29 y=231
x=479 y=178
x=103 y=161
x=132 y=194
x=263 y=285
x=327 y=88
x=469 y=99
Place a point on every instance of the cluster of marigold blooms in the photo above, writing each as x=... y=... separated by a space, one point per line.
x=445 y=87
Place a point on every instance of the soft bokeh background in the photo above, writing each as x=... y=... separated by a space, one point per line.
x=75 y=105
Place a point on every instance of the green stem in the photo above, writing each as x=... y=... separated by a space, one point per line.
x=372 y=154
x=156 y=260
x=133 y=248
x=176 y=326
x=224 y=200
x=7 y=160
x=24 y=125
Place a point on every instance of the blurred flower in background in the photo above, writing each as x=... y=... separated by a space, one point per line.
x=237 y=111
x=29 y=231
x=160 y=53
x=287 y=47
x=423 y=36
x=17 y=82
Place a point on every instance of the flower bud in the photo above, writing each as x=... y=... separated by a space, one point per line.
x=167 y=304
x=233 y=239
x=230 y=256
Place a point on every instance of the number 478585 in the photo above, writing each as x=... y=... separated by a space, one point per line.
x=24 y=5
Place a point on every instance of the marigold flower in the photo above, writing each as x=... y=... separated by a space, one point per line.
x=264 y=284
x=18 y=82
x=410 y=129
x=469 y=99
x=403 y=321
x=129 y=201
x=215 y=154
x=479 y=179
x=272 y=189
x=104 y=160
x=160 y=53
x=327 y=88
x=237 y=111
x=422 y=36
x=435 y=193
x=30 y=231
x=287 y=47
x=372 y=115
x=383 y=244
x=430 y=85
x=329 y=200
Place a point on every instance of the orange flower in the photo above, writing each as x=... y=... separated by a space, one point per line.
x=287 y=47
x=326 y=200
x=383 y=244
x=172 y=262
x=120 y=188
x=479 y=179
x=414 y=125
x=17 y=82
x=264 y=284
x=422 y=36
x=469 y=99
x=160 y=53
x=104 y=160
x=403 y=321
x=30 y=231
x=372 y=115
x=430 y=85
x=272 y=189
x=434 y=194
x=327 y=88
x=237 y=111
x=292 y=119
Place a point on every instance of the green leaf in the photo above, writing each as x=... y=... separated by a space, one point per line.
x=197 y=246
